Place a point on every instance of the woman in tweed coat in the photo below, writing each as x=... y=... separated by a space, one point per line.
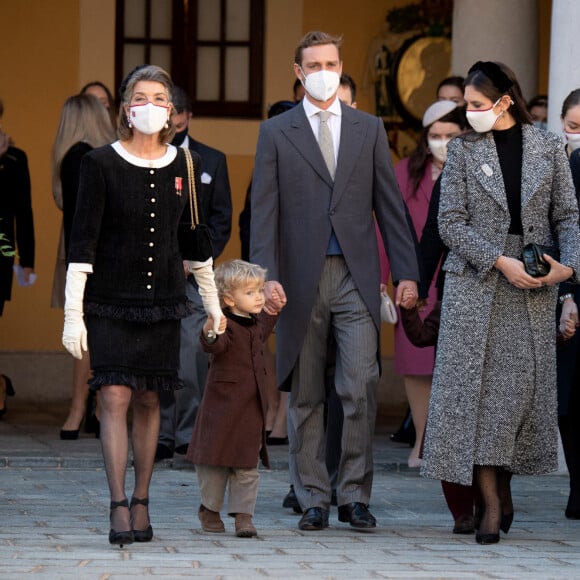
x=493 y=403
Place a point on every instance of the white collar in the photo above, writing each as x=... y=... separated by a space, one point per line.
x=311 y=109
x=164 y=161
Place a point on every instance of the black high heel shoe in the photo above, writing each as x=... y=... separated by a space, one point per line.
x=505 y=495
x=506 y=522
x=8 y=392
x=145 y=535
x=92 y=424
x=123 y=537
x=69 y=434
x=487 y=538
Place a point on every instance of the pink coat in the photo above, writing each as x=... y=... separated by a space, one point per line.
x=410 y=360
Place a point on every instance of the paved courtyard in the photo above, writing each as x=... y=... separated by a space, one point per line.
x=54 y=522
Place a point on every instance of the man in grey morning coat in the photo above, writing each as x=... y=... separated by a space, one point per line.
x=314 y=195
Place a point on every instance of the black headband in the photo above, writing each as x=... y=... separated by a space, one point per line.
x=494 y=73
x=126 y=80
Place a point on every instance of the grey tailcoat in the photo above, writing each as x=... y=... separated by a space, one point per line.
x=295 y=205
x=474 y=222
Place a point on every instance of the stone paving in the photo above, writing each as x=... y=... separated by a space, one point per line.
x=54 y=522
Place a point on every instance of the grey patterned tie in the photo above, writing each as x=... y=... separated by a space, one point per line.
x=325 y=142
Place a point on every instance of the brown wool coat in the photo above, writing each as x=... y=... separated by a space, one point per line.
x=229 y=427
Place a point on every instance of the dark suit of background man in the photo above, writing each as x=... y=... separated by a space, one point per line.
x=16 y=222
x=179 y=409
x=315 y=234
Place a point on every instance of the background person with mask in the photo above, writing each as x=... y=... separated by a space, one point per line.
x=16 y=230
x=179 y=408
x=451 y=89
x=571 y=121
x=538 y=110
x=568 y=351
x=416 y=176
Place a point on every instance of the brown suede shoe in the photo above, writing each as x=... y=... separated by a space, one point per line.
x=244 y=526
x=210 y=521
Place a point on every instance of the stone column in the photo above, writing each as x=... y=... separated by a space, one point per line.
x=500 y=30
x=564 y=74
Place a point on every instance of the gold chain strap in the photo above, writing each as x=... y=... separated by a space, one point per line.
x=192 y=189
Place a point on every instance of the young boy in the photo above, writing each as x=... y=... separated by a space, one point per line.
x=229 y=436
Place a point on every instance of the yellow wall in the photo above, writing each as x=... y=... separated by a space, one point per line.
x=39 y=70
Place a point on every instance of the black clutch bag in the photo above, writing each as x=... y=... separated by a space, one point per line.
x=534 y=263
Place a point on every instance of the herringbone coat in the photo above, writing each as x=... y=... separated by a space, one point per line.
x=474 y=222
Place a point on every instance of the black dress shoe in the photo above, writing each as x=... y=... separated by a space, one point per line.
x=291 y=501
x=181 y=449
x=357 y=514
x=314 y=518
x=406 y=432
x=163 y=452
x=276 y=441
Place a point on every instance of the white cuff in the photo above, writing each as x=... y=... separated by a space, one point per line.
x=80 y=267
x=193 y=265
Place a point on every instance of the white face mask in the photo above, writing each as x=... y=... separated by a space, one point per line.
x=148 y=118
x=573 y=140
x=483 y=121
x=438 y=148
x=321 y=85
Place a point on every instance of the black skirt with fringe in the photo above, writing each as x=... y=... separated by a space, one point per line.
x=140 y=355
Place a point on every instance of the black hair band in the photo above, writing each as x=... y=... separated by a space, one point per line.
x=494 y=73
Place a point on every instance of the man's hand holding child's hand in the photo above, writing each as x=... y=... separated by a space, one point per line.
x=275 y=297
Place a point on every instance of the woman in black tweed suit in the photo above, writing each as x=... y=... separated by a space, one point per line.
x=493 y=403
x=131 y=244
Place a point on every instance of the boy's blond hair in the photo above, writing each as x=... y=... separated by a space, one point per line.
x=235 y=273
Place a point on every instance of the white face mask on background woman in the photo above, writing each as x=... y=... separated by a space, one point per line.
x=573 y=140
x=483 y=120
x=148 y=118
x=438 y=148
x=322 y=84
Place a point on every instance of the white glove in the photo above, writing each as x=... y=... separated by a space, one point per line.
x=74 y=334
x=203 y=273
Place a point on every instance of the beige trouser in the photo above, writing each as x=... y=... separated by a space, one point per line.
x=243 y=488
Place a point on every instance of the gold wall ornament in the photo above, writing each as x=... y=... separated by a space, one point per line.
x=423 y=63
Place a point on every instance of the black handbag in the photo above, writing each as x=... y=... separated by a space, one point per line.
x=534 y=263
x=201 y=231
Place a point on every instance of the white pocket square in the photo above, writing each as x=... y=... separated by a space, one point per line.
x=205 y=177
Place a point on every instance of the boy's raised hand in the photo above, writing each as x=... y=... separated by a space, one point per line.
x=209 y=325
